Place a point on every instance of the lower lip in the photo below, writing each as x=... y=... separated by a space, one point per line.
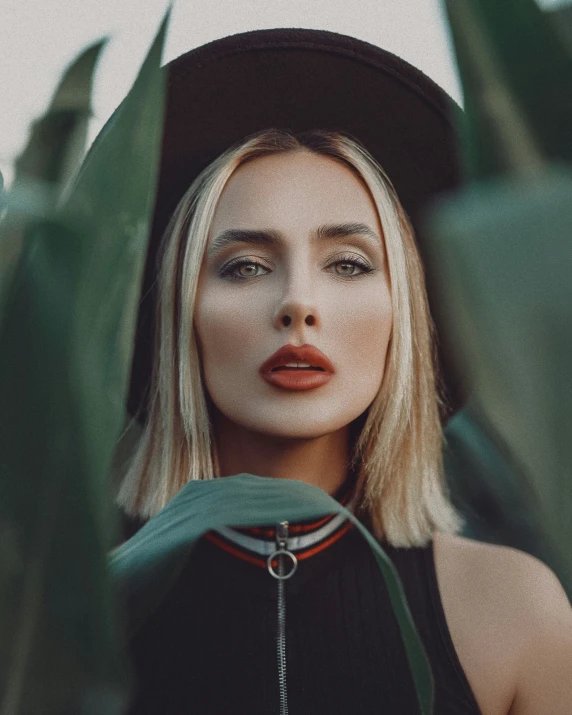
x=297 y=379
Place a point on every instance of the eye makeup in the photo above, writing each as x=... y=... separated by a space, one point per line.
x=351 y=259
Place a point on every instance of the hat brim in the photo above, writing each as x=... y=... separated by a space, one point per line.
x=297 y=79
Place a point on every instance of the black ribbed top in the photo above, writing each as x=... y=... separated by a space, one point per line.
x=210 y=647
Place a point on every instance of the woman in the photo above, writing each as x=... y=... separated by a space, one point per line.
x=294 y=341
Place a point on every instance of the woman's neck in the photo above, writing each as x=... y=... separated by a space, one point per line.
x=321 y=461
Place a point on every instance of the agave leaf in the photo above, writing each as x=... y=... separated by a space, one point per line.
x=57 y=140
x=147 y=565
x=59 y=420
x=118 y=206
x=52 y=155
x=58 y=642
x=561 y=18
x=515 y=69
x=503 y=258
x=486 y=486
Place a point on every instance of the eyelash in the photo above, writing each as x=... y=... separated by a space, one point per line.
x=226 y=271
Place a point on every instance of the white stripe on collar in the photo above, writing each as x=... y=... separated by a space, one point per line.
x=295 y=543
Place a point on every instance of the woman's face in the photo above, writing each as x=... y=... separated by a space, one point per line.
x=311 y=271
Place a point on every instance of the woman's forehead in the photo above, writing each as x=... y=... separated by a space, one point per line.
x=293 y=191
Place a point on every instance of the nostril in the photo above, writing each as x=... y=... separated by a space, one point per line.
x=310 y=320
x=286 y=320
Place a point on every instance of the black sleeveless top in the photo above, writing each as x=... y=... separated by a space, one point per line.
x=210 y=648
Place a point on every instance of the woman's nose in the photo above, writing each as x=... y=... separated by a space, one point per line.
x=298 y=307
x=295 y=315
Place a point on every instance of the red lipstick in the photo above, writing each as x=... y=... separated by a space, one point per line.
x=314 y=369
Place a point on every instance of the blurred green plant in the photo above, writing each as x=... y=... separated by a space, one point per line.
x=70 y=306
x=515 y=72
x=501 y=252
x=49 y=161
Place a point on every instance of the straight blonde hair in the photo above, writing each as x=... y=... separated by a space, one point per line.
x=397 y=450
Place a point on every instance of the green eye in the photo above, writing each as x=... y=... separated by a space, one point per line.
x=234 y=269
x=350 y=263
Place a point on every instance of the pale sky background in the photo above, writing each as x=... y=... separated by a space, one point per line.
x=39 y=38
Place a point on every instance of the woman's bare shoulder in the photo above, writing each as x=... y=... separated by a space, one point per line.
x=509 y=581
x=495 y=600
x=491 y=566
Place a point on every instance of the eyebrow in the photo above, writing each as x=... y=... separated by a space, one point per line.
x=335 y=232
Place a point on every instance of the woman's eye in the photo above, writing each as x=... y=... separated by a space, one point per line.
x=348 y=268
x=242 y=269
x=351 y=268
x=344 y=268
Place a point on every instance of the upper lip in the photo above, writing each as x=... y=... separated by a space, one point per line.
x=290 y=353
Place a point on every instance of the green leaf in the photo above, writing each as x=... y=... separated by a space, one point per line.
x=66 y=337
x=57 y=140
x=52 y=155
x=487 y=486
x=515 y=71
x=59 y=631
x=561 y=19
x=503 y=258
x=146 y=566
x=117 y=207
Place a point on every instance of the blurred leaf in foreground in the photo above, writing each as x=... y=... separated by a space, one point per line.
x=66 y=337
x=58 y=641
x=502 y=253
x=487 y=487
x=114 y=195
x=51 y=157
x=57 y=141
x=516 y=70
x=561 y=19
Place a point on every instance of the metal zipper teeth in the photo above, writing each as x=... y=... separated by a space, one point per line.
x=280 y=553
x=281 y=641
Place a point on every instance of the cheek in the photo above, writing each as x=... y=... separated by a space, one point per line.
x=364 y=332
x=225 y=329
x=368 y=329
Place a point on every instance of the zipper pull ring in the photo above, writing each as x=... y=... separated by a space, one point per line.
x=281 y=550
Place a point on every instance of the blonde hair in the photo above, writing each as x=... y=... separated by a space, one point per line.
x=397 y=453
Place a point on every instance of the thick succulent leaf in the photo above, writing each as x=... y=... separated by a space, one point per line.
x=561 y=18
x=486 y=486
x=57 y=141
x=503 y=258
x=54 y=151
x=515 y=69
x=146 y=566
x=117 y=207
x=66 y=336
x=58 y=627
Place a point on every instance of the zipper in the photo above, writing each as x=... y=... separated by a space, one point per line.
x=280 y=554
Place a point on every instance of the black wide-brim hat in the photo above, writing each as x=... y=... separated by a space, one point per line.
x=297 y=79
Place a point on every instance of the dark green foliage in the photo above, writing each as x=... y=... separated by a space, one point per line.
x=561 y=19
x=58 y=630
x=488 y=487
x=52 y=155
x=501 y=252
x=503 y=255
x=516 y=71
x=66 y=335
x=112 y=202
x=57 y=141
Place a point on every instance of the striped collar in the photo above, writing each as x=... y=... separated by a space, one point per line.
x=306 y=538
